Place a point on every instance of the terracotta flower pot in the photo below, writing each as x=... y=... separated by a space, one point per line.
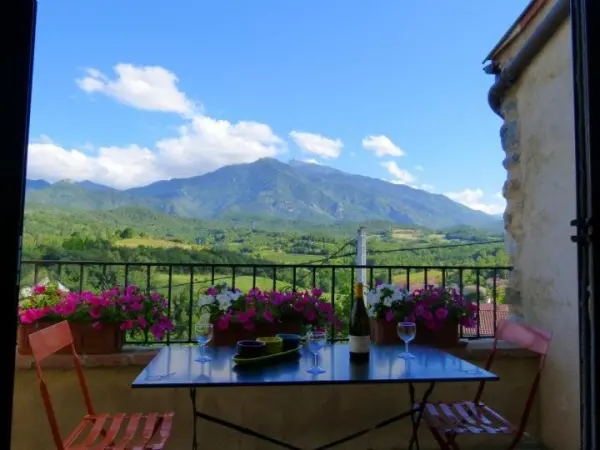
x=237 y=332
x=86 y=339
x=446 y=337
x=384 y=332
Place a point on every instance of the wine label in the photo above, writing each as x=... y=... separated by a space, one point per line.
x=359 y=344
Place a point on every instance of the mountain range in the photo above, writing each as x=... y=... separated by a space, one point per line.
x=269 y=187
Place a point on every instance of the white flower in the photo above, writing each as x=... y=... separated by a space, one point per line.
x=387 y=301
x=206 y=300
x=233 y=296
x=399 y=295
x=373 y=298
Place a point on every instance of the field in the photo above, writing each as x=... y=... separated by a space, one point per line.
x=157 y=243
x=289 y=258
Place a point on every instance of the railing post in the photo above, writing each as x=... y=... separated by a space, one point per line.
x=361 y=255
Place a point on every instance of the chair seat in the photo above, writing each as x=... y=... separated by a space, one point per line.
x=121 y=432
x=465 y=417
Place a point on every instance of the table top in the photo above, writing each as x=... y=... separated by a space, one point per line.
x=176 y=366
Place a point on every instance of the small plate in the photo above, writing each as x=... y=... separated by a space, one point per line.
x=266 y=358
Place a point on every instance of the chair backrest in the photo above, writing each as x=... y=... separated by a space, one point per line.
x=527 y=337
x=45 y=343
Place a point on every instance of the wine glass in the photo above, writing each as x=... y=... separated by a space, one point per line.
x=204 y=334
x=316 y=341
x=407 y=332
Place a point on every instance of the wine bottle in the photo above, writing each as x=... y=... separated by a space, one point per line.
x=360 y=328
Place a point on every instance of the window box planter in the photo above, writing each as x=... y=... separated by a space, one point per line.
x=237 y=332
x=384 y=332
x=447 y=336
x=87 y=340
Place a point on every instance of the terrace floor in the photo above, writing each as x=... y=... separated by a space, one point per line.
x=305 y=416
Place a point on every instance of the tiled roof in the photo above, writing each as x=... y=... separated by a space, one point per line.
x=486 y=319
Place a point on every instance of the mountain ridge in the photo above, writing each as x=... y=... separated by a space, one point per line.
x=294 y=190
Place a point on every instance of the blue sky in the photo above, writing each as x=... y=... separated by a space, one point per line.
x=130 y=92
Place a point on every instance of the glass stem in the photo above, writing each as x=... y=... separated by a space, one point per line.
x=406 y=347
x=201 y=351
x=316 y=360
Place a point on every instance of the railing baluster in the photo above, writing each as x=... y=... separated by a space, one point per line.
x=169 y=294
x=333 y=301
x=253 y=276
x=477 y=287
x=148 y=274
x=126 y=274
x=314 y=277
x=494 y=300
x=294 y=280
x=425 y=278
x=370 y=277
x=81 y=277
x=408 y=278
x=232 y=277
x=274 y=277
x=191 y=305
x=103 y=283
x=36 y=273
x=351 y=292
x=443 y=277
x=460 y=291
x=389 y=275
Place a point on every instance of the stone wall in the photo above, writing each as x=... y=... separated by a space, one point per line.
x=538 y=140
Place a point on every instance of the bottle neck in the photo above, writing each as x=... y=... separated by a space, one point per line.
x=359 y=290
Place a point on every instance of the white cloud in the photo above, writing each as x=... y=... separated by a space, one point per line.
x=401 y=176
x=381 y=146
x=473 y=198
x=427 y=187
x=317 y=144
x=151 y=88
x=201 y=144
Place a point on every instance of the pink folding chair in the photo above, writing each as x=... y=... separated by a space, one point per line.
x=447 y=421
x=119 y=431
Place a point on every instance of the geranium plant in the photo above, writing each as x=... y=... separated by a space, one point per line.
x=130 y=307
x=310 y=307
x=389 y=302
x=225 y=306
x=433 y=306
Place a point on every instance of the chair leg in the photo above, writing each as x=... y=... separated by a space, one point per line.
x=439 y=438
x=515 y=441
x=452 y=444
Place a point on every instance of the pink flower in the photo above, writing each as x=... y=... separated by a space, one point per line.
x=39 y=289
x=223 y=322
x=426 y=315
x=441 y=313
x=268 y=316
x=142 y=322
x=127 y=325
x=389 y=316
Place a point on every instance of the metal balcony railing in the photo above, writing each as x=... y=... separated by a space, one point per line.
x=181 y=283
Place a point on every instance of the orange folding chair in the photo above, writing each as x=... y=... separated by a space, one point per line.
x=95 y=431
x=447 y=421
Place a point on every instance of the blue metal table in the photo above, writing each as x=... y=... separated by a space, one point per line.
x=175 y=367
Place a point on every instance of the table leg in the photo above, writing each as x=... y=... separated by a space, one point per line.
x=232 y=426
x=194 y=409
x=417 y=413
